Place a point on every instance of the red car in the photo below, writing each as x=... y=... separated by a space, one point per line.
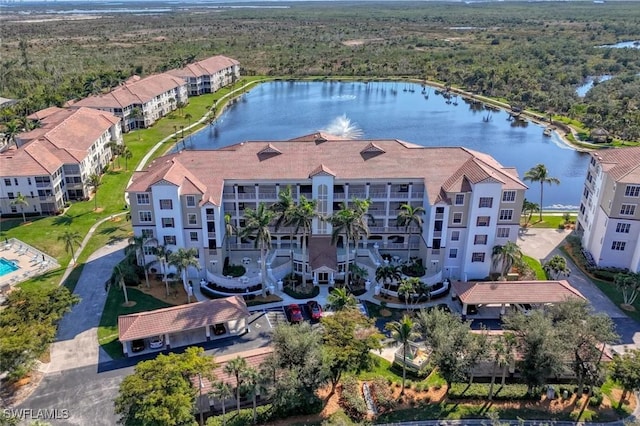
x=314 y=310
x=294 y=313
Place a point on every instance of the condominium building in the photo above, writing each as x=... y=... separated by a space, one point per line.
x=140 y=102
x=209 y=75
x=51 y=164
x=609 y=217
x=472 y=202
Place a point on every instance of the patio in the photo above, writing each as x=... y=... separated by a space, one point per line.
x=28 y=260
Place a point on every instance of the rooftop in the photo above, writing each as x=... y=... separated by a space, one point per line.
x=206 y=67
x=622 y=164
x=514 y=292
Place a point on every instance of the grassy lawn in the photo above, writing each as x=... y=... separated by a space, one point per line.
x=108 y=329
x=535 y=265
x=548 y=221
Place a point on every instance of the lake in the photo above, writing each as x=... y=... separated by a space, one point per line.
x=284 y=110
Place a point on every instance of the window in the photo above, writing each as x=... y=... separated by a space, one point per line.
x=632 y=191
x=144 y=216
x=589 y=177
x=477 y=257
x=457 y=218
x=593 y=161
x=7 y=181
x=10 y=195
x=169 y=240
x=453 y=253
x=503 y=233
x=147 y=233
x=459 y=199
x=28 y=181
x=480 y=239
x=509 y=196
x=14 y=209
x=582 y=208
x=628 y=209
x=192 y=219
x=483 y=221
x=506 y=214
x=485 y=202
x=455 y=236
x=147 y=250
x=618 y=245
x=166 y=204
x=585 y=193
x=167 y=222
x=193 y=236
x=191 y=201
x=404 y=188
x=142 y=199
x=623 y=228
x=15 y=180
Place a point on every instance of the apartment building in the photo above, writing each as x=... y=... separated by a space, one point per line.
x=140 y=102
x=472 y=202
x=209 y=75
x=51 y=163
x=609 y=217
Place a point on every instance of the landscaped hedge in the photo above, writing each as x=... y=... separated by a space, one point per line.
x=298 y=295
x=382 y=394
x=351 y=399
x=508 y=392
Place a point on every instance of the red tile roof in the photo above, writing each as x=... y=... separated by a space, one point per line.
x=301 y=157
x=254 y=358
x=180 y=318
x=622 y=164
x=499 y=292
x=206 y=67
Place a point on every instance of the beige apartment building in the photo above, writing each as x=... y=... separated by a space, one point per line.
x=472 y=202
x=209 y=75
x=609 y=217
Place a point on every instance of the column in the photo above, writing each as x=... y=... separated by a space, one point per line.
x=167 y=341
x=207 y=332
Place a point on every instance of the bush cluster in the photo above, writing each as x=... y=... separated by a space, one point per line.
x=300 y=295
x=351 y=399
x=509 y=392
x=382 y=394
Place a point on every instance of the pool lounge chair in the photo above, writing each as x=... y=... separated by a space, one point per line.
x=22 y=250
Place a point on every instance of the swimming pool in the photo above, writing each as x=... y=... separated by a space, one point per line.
x=7 y=266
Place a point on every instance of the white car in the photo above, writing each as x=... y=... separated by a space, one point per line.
x=156 y=342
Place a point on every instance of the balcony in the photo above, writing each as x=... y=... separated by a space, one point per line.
x=402 y=195
x=338 y=196
x=211 y=218
x=267 y=195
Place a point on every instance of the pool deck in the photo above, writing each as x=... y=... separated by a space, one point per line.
x=30 y=262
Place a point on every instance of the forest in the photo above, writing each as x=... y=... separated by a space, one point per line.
x=533 y=55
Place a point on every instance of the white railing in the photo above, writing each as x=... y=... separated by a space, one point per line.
x=241 y=282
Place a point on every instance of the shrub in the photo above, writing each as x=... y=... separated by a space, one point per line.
x=596 y=398
x=338 y=418
x=302 y=295
x=234 y=270
x=382 y=394
x=510 y=392
x=414 y=269
x=351 y=399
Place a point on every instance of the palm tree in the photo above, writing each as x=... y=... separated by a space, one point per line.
x=529 y=208
x=556 y=266
x=20 y=200
x=69 y=239
x=230 y=229
x=222 y=391
x=181 y=260
x=340 y=299
x=118 y=277
x=504 y=257
x=410 y=287
x=408 y=217
x=352 y=222
x=253 y=386
x=302 y=217
x=136 y=245
x=12 y=128
x=116 y=149
x=539 y=173
x=136 y=114
x=237 y=368
x=257 y=226
x=284 y=208
x=94 y=181
x=162 y=254
x=388 y=274
x=127 y=155
x=403 y=332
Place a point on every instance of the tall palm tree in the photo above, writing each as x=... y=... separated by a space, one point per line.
x=539 y=173
x=237 y=368
x=388 y=274
x=408 y=217
x=284 y=208
x=136 y=245
x=182 y=259
x=222 y=391
x=94 y=181
x=136 y=114
x=253 y=385
x=340 y=299
x=118 y=277
x=230 y=229
x=127 y=155
x=12 y=128
x=352 y=222
x=302 y=218
x=162 y=254
x=529 y=208
x=116 y=149
x=70 y=239
x=504 y=257
x=257 y=226
x=21 y=200
x=403 y=332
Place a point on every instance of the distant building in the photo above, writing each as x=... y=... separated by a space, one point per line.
x=472 y=202
x=209 y=75
x=609 y=217
x=53 y=162
x=151 y=97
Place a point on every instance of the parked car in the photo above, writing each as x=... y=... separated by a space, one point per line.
x=137 y=345
x=219 y=329
x=156 y=342
x=294 y=313
x=315 y=311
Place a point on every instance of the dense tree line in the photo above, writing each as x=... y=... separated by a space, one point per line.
x=530 y=54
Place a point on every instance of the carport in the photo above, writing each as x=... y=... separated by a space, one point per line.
x=185 y=324
x=513 y=292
